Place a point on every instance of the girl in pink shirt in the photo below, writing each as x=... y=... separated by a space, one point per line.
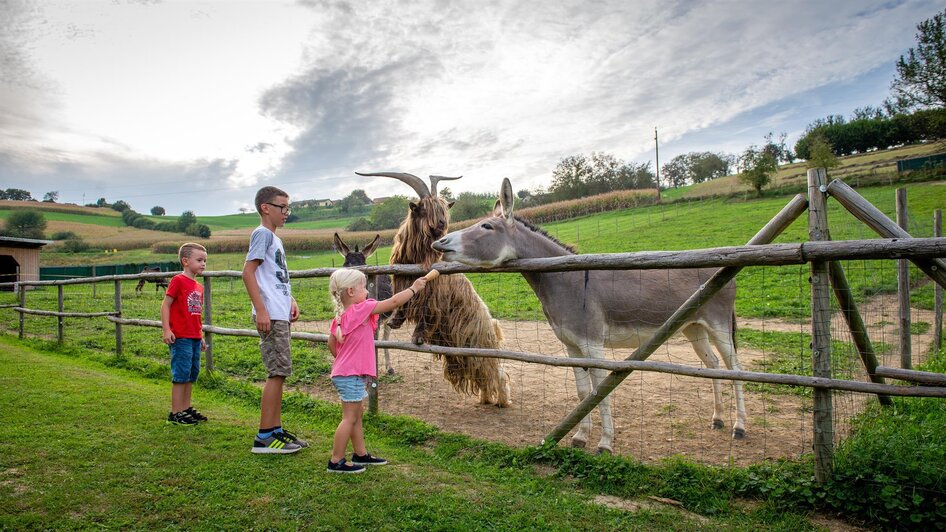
x=351 y=342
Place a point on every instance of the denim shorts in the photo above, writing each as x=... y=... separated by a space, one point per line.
x=185 y=360
x=351 y=388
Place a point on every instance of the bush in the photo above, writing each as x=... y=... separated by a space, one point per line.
x=361 y=224
x=63 y=235
x=199 y=230
x=75 y=245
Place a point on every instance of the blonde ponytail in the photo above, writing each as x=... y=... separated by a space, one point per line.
x=342 y=279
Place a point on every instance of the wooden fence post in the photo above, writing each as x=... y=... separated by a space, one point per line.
x=938 y=290
x=61 y=319
x=823 y=442
x=93 y=284
x=903 y=287
x=208 y=320
x=22 y=305
x=118 y=313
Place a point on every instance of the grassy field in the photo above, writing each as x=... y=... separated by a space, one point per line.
x=57 y=216
x=102 y=457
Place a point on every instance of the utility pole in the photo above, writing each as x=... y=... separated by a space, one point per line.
x=657 y=157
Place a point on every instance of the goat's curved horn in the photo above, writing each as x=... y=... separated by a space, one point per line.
x=412 y=180
x=434 y=179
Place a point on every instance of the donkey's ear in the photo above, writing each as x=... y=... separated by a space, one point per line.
x=370 y=248
x=506 y=198
x=340 y=246
x=498 y=209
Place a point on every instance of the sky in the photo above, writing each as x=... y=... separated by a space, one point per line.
x=195 y=105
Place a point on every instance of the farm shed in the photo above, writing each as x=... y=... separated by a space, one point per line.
x=19 y=259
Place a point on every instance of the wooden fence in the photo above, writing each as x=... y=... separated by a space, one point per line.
x=820 y=252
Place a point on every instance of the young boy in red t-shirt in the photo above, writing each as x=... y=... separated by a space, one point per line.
x=183 y=332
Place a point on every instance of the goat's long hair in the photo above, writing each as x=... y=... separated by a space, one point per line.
x=450 y=309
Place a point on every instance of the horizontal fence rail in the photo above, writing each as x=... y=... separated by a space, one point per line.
x=611 y=365
x=749 y=255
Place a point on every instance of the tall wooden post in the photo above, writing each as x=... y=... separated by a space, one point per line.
x=937 y=289
x=93 y=284
x=208 y=320
x=903 y=287
x=823 y=441
x=118 y=313
x=59 y=336
x=373 y=384
x=22 y=305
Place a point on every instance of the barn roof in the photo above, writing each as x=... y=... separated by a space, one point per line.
x=14 y=242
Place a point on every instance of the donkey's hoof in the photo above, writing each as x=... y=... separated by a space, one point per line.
x=390 y=371
x=578 y=444
x=717 y=424
x=738 y=434
x=603 y=451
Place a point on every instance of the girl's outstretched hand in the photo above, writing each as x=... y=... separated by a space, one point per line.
x=419 y=284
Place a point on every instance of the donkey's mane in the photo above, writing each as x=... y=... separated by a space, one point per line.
x=528 y=223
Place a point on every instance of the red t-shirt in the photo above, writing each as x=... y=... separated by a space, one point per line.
x=187 y=306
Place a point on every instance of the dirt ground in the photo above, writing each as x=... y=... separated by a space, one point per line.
x=655 y=415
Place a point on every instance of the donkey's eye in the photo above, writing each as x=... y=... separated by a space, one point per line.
x=487 y=226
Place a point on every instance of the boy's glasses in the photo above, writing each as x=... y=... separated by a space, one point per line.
x=282 y=208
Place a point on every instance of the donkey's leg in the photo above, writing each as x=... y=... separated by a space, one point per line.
x=699 y=338
x=723 y=340
x=583 y=383
x=606 y=444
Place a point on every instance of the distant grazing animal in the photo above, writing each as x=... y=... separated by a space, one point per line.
x=449 y=312
x=595 y=309
x=379 y=286
x=158 y=283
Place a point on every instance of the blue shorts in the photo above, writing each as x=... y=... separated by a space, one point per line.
x=351 y=388
x=185 y=360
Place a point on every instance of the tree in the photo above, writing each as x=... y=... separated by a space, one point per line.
x=101 y=203
x=356 y=199
x=777 y=149
x=758 y=166
x=157 y=210
x=821 y=154
x=920 y=82
x=389 y=213
x=51 y=196
x=469 y=205
x=569 y=177
x=121 y=206
x=696 y=167
x=186 y=219
x=16 y=194
x=445 y=193
x=25 y=224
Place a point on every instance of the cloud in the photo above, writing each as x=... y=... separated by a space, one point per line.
x=500 y=88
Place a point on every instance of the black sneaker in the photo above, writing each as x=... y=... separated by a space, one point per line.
x=278 y=443
x=194 y=413
x=342 y=467
x=181 y=418
x=294 y=439
x=367 y=459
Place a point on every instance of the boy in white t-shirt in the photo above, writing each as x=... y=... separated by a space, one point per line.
x=267 y=282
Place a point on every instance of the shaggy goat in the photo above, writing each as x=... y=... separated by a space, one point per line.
x=379 y=286
x=449 y=312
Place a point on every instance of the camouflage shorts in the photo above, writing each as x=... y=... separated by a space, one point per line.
x=274 y=346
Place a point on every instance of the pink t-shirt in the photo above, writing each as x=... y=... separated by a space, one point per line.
x=355 y=356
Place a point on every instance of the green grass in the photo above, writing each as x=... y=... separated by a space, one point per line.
x=109 y=221
x=103 y=457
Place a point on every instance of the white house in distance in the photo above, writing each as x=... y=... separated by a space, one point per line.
x=19 y=259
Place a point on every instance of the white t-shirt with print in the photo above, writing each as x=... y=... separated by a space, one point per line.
x=272 y=275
